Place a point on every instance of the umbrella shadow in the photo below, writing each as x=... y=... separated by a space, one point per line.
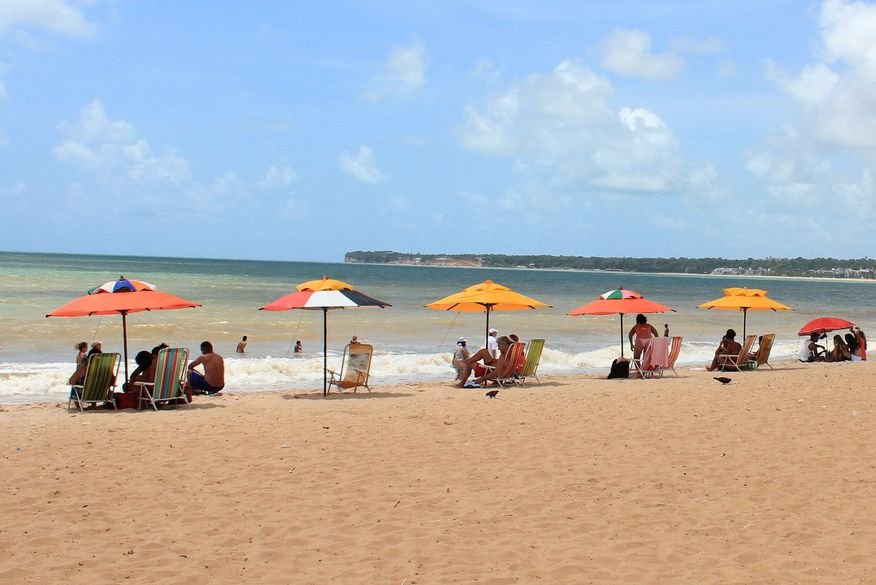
x=345 y=395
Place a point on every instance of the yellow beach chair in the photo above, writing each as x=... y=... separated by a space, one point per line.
x=355 y=368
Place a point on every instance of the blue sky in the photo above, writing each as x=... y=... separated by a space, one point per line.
x=299 y=131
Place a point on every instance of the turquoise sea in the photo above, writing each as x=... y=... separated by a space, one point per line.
x=412 y=342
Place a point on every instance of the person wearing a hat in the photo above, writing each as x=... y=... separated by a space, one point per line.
x=492 y=345
x=460 y=354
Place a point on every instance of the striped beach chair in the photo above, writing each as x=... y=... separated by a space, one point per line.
x=762 y=357
x=100 y=379
x=530 y=365
x=170 y=377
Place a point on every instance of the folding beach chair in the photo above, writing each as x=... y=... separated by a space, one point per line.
x=654 y=359
x=533 y=357
x=170 y=378
x=674 y=350
x=736 y=361
x=100 y=379
x=763 y=352
x=511 y=365
x=355 y=368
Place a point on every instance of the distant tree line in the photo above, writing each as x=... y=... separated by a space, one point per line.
x=858 y=268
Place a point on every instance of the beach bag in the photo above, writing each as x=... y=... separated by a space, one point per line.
x=127 y=400
x=620 y=368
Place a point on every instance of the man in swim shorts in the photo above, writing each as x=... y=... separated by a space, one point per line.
x=213 y=378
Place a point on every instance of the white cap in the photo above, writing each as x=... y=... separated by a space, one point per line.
x=462 y=340
x=493 y=331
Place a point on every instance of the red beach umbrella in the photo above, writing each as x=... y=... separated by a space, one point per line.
x=620 y=302
x=322 y=295
x=822 y=325
x=122 y=296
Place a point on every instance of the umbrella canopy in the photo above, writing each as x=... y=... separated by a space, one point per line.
x=322 y=295
x=822 y=325
x=121 y=297
x=745 y=299
x=486 y=297
x=620 y=301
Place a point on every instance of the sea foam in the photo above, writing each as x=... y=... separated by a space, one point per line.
x=47 y=382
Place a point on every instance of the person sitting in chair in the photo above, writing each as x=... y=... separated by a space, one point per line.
x=728 y=346
x=482 y=373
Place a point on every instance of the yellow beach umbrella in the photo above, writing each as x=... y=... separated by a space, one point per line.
x=486 y=297
x=745 y=299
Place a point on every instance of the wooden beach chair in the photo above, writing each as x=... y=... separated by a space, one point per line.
x=170 y=378
x=530 y=366
x=763 y=352
x=355 y=368
x=100 y=379
x=736 y=361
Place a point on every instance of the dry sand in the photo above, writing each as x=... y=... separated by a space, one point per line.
x=770 y=479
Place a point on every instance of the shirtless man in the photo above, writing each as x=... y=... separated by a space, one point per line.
x=213 y=379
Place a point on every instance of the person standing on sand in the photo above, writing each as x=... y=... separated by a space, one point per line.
x=241 y=345
x=643 y=332
x=213 y=378
x=492 y=344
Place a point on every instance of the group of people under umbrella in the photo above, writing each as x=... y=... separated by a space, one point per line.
x=125 y=296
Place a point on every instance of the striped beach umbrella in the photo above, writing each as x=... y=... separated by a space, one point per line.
x=122 y=296
x=323 y=295
x=620 y=301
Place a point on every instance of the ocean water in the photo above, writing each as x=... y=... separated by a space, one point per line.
x=411 y=342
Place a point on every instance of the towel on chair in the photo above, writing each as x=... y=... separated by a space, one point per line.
x=657 y=354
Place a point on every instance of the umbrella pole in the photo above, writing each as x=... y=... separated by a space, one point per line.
x=125 y=344
x=324 y=352
x=487 y=329
x=744 y=320
x=622 y=335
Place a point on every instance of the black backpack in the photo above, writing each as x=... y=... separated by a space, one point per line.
x=620 y=368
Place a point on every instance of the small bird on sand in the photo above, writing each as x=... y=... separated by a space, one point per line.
x=492 y=393
x=723 y=379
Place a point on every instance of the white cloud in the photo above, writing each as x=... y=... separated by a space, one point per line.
x=278 y=177
x=692 y=46
x=53 y=15
x=827 y=160
x=362 y=165
x=628 y=52
x=813 y=86
x=726 y=68
x=403 y=73
x=560 y=124
x=113 y=150
x=837 y=89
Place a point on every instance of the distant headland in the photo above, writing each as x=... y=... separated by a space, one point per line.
x=812 y=267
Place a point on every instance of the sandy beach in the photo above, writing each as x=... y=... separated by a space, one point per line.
x=770 y=479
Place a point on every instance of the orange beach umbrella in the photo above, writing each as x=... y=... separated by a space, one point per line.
x=121 y=297
x=620 y=302
x=486 y=297
x=745 y=299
